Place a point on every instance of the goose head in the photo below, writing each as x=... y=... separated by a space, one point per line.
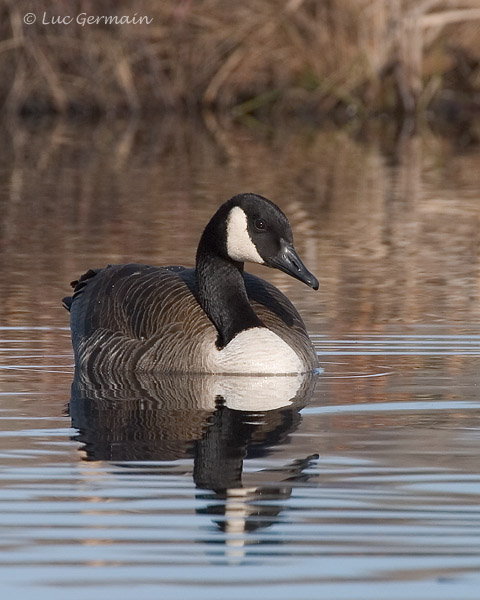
x=251 y=228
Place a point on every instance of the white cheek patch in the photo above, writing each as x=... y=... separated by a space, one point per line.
x=239 y=244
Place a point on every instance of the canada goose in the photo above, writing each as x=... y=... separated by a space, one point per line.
x=211 y=319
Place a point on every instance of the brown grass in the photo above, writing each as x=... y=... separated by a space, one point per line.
x=276 y=56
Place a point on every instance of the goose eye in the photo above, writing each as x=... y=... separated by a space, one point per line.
x=260 y=224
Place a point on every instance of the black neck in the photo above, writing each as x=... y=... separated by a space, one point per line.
x=222 y=294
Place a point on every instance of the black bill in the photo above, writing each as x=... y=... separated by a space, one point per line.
x=288 y=261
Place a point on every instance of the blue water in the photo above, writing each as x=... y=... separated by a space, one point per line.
x=362 y=484
x=370 y=488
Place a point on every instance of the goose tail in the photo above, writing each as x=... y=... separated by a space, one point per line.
x=78 y=285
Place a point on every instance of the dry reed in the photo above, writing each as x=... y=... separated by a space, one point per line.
x=281 y=56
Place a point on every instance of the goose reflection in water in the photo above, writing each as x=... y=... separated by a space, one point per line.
x=218 y=420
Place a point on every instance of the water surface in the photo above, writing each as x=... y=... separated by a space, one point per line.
x=363 y=483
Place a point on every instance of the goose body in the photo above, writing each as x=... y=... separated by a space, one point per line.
x=213 y=318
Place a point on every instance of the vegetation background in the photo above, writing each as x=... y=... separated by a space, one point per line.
x=310 y=58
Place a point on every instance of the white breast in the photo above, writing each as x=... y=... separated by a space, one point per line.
x=255 y=351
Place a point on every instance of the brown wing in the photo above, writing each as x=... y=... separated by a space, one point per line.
x=138 y=317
